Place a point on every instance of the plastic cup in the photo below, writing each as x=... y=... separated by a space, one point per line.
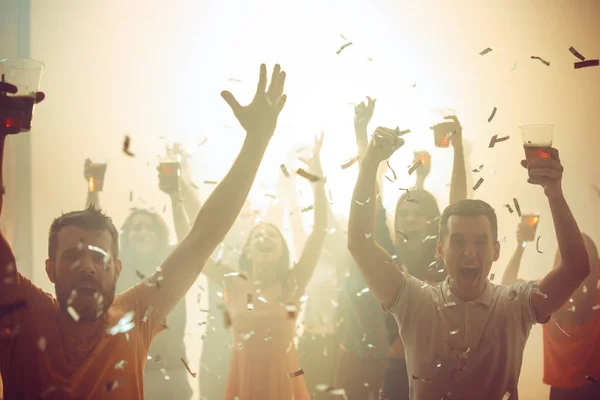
x=535 y=138
x=25 y=74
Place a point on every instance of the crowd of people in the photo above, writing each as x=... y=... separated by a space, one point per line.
x=379 y=306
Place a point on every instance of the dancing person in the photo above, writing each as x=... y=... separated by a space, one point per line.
x=465 y=336
x=572 y=342
x=263 y=301
x=415 y=239
x=88 y=341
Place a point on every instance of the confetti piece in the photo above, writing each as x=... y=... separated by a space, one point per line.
x=542 y=60
x=363 y=291
x=303 y=298
x=147 y=313
x=592 y=379
x=284 y=170
x=485 y=51
x=308 y=176
x=509 y=208
x=193 y=374
x=164 y=372
x=126 y=144
x=517 y=207
x=454 y=332
x=291 y=311
x=130 y=196
x=587 y=63
x=537 y=245
x=402 y=133
x=295 y=373
x=447 y=305
x=203 y=141
x=230 y=274
x=393 y=172
x=330 y=390
x=350 y=162
x=479 y=182
x=414 y=167
x=124 y=325
x=514 y=67
x=262 y=299
x=558 y=326
x=121 y=365
x=343 y=47
x=506 y=396
x=596 y=307
x=210 y=182
x=404 y=235
x=234 y=80
x=495 y=140
x=421 y=379
x=491 y=117
x=343 y=37
x=478 y=169
x=576 y=53
x=73 y=313
x=492 y=276
x=41 y=344
x=10 y=308
x=305 y=209
x=249 y=304
x=367 y=235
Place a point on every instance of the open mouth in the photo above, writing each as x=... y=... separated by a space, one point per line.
x=469 y=272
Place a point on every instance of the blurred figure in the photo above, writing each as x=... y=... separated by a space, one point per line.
x=572 y=341
x=263 y=303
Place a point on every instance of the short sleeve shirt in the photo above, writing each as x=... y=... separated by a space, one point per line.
x=466 y=350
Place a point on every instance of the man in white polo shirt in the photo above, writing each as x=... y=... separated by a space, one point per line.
x=464 y=339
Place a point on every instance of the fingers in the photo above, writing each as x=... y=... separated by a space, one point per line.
x=280 y=104
x=230 y=99
x=39 y=97
x=280 y=85
x=541 y=173
x=273 y=86
x=262 y=79
x=371 y=102
x=524 y=164
x=453 y=118
x=8 y=88
x=541 y=163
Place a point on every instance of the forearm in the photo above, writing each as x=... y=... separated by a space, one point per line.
x=570 y=241
x=2 y=140
x=512 y=269
x=191 y=200
x=180 y=217
x=458 y=183
x=362 y=140
x=361 y=223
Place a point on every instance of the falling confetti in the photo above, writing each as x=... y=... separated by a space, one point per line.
x=121 y=365
x=454 y=332
x=517 y=207
x=506 y=396
x=479 y=182
x=576 y=53
x=126 y=144
x=367 y=235
x=537 y=245
x=587 y=63
x=210 y=182
x=343 y=37
x=230 y=274
x=124 y=325
x=193 y=374
x=249 y=304
x=495 y=139
x=203 y=141
x=421 y=379
x=514 y=67
x=478 y=169
x=73 y=313
x=558 y=326
x=164 y=372
x=414 y=167
x=284 y=170
x=542 y=60
x=350 y=162
x=291 y=310
x=234 y=80
x=447 y=305
x=492 y=276
x=131 y=196
x=393 y=172
x=485 y=51
x=404 y=235
x=363 y=291
x=308 y=176
x=509 y=208
x=305 y=209
x=295 y=373
x=592 y=379
x=491 y=117
x=41 y=344
x=343 y=47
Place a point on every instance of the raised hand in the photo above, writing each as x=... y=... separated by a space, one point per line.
x=259 y=118
x=546 y=172
x=384 y=143
x=363 y=113
x=453 y=125
x=314 y=163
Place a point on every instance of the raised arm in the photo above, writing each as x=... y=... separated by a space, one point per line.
x=173 y=188
x=560 y=284
x=303 y=271
x=382 y=276
x=217 y=215
x=525 y=233
x=458 y=183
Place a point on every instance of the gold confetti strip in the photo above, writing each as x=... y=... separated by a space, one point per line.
x=592 y=379
x=404 y=235
x=249 y=304
x=537 y=245
x=506 y=396
x=73 y=313
x=110 y=386
x=587 y=63
x=421 y=379
x=363 y=291
x=509 y=208
x=193 y=374
x=576 y=53
x=495 y=139
x=414 y=167
x=126 y=144
x=393 y=172
x=547 y=63
x=343 y=47
x=478 y=169
x=284 y=170
x=454 y=332
x=350 y=162
x=447 y=305
x=558 y=326
x=402 y=133
x=210 y=182
x=41 y=344
x=491 y=117
x=305 y=209
x=492 y=276
x=479 y=182
x=485 y=51
x=517 y=207
x=295 y=373
x=307 y=175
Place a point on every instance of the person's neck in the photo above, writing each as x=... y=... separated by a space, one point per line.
x=79 y=338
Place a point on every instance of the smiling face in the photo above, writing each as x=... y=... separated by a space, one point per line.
x=264 y=250
x=143 y=234
x=468 y=249
x=84 y=272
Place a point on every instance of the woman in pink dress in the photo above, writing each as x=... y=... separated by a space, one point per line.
x=263 y=300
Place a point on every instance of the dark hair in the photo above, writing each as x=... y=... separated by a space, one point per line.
x=283 y=268
x=426 y=202
x=162 y=233
x=469 y=208
x=91 y=218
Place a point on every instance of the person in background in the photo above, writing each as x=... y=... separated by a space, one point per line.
x=90 y=342
x=572 y=341
x=465 y=337
x=144 y=245
x=415 y=240
x=263 y=302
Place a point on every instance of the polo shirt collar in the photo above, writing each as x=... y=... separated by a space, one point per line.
x=485 y=298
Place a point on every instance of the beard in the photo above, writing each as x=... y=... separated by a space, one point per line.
x=87 y=309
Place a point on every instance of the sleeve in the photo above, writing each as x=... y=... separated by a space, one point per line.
x=412 y=292
x=521 y=293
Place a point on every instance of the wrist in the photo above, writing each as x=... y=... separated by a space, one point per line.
x=257 y=141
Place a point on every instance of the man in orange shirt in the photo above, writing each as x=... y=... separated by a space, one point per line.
x=88 y=343
x=572 y=338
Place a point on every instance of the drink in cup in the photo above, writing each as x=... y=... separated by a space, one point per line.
x=25 y=74
x=95 y=174
x=535 y=138
x=532 y=220
x=169 y=173
x=441 y=126
x=423 y=156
